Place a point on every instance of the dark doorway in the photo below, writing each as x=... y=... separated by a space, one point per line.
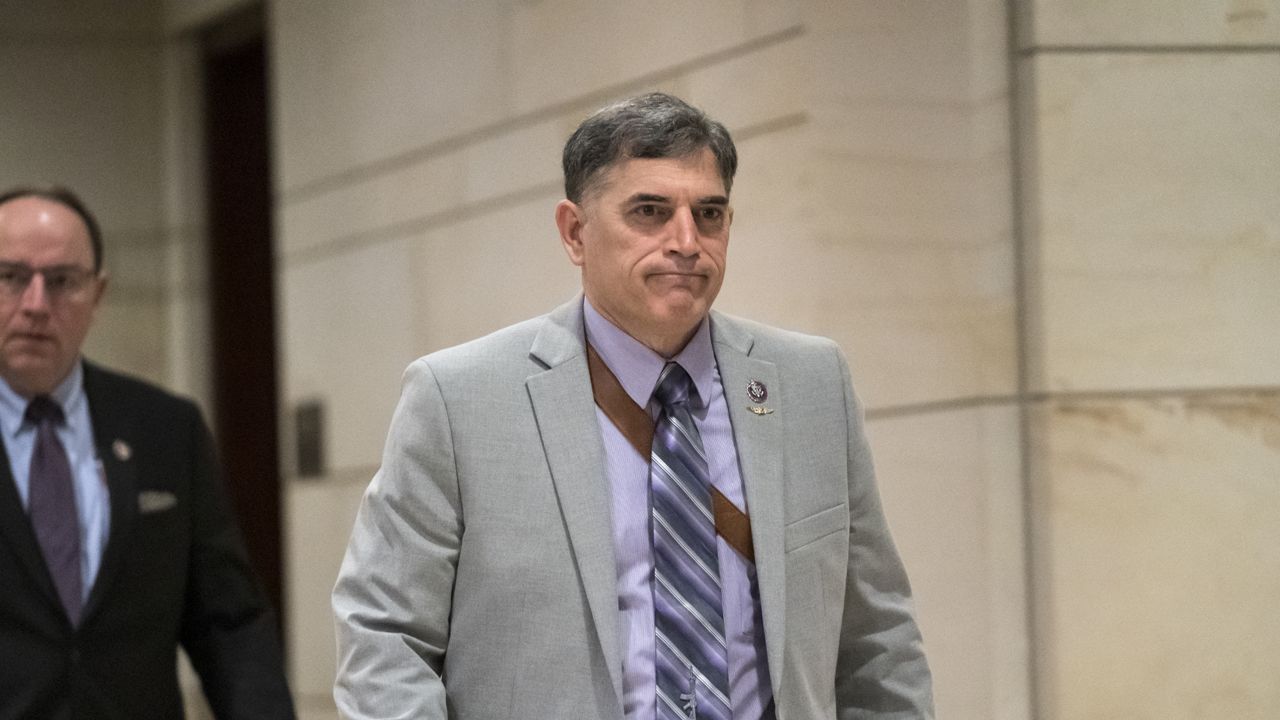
x=241 y=283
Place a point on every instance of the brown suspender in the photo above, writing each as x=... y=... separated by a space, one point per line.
x=636 y=426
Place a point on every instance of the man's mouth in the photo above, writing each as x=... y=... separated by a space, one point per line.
x=31 y=337
x=677 y=274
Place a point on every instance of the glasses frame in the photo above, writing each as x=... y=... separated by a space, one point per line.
x=61 y=282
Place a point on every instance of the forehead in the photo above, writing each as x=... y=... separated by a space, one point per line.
x=695 y=174
x=43 y=232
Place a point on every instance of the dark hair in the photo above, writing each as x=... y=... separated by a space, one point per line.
x=655 y=125
x=65 y=197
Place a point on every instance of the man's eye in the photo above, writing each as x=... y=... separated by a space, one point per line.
x=58 y=281
x=647 y=210
x=712 y=213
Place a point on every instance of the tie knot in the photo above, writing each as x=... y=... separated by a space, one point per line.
x=674 y=386
x=43 y=409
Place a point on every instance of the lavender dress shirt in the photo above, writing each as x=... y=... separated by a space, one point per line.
x=637 y=369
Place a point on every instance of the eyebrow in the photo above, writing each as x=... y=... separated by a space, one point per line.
x=41 y=268
x=650 y=198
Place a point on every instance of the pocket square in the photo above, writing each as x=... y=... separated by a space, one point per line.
x=153 y=501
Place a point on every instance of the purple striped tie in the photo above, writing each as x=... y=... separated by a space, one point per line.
x=691 y=664
x=52 y=505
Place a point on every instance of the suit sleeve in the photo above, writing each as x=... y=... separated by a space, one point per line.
x=228 y=627
x=881 y=670
x=393 y=595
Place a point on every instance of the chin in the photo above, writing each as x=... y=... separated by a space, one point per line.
x=681 y=320
x=39 y=376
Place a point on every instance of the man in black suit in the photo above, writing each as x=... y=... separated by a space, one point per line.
x=116 y=539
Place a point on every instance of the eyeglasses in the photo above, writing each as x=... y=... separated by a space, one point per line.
x=60 y=281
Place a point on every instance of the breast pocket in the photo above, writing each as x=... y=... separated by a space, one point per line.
x=809 y=530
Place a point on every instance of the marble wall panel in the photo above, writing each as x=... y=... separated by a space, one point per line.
x=921 y=320
x=756 y=90
x=951 y=487
x=1158 y=230
x=87 y=115
x=188 y=308
x=362 y=82
x=189 y=348
x=129 y=335
x=79 y=106
x=136 y=263
x=120 y=20
x=512 y=162
x=182 y=127
x=131 y=327
x=185 y=271
x=1150 y=22
x=347 y=333
x=1158 y=556
x=564 y=48
x=441 y=70
x=318 y=519
x=903 y=185
x=369 y=210
x=439 y=188
x=183 y=15
x=881 y=198
x=485 y=273
x=917 y=52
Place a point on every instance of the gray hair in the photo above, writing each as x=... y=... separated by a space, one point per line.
x=655 y=125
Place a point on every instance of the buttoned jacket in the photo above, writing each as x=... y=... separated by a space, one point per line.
x=174 y=571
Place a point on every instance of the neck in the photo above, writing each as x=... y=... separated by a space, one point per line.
x=665 y=340
x=668 y=346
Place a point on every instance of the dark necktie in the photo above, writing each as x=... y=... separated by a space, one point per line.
x=691 y=657
x=52 y=505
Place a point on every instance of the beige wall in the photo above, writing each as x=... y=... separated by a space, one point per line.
x=81 y=88
x=1094 y=326
x=1153 y=274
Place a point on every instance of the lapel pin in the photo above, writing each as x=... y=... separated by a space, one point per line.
x=757 y=392
x=759 y=410
x=121 y=450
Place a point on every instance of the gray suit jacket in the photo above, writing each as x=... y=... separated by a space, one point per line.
x=480 y=581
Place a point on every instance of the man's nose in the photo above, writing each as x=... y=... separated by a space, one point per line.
x=35 y=297
x=684 y=233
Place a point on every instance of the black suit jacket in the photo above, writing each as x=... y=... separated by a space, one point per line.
x=174 y=571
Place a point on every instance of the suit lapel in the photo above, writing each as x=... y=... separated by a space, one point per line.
x=566 y=417
x=15 y=528
x=758 y=438
x=113 y=441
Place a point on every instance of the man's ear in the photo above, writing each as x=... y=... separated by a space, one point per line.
x=100 y=287
x=570 y=220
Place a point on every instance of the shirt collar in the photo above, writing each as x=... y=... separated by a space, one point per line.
x=637 y=367
x=13 y=407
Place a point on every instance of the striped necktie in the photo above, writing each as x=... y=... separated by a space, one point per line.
x=52 y=505
x=691 y=662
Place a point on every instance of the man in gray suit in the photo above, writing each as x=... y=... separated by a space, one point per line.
x=535 y=546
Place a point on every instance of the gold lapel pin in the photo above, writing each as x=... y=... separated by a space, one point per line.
x=121 y=450
x=759 y=410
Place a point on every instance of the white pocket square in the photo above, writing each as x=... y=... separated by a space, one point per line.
x=152 y=501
